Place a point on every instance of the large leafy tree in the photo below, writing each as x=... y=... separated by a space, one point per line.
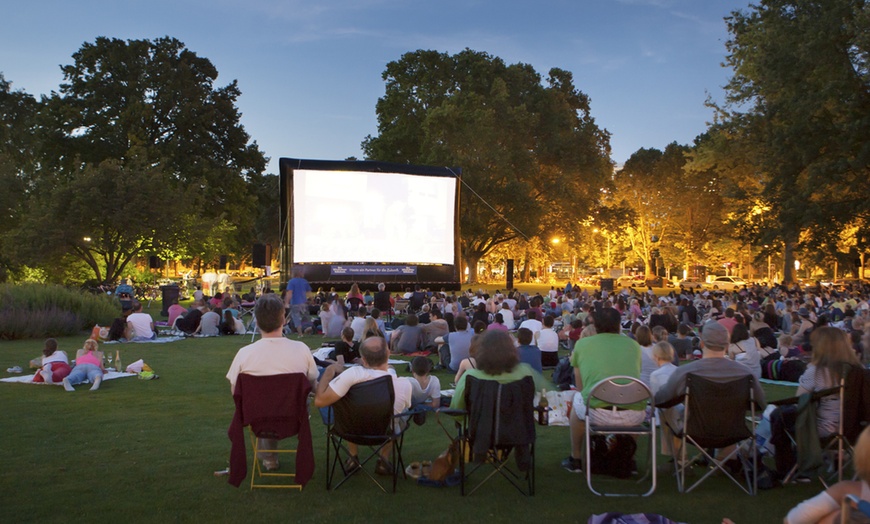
x=794 y=133
x=531 y=153
x=149 y=110
x=17 y=146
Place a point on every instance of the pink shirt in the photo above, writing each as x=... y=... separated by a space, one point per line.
x=496 y=325
x=88 y=358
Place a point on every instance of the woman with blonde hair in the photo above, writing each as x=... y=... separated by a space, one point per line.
x=832 y=356
x=825 y=507
x=89 y=366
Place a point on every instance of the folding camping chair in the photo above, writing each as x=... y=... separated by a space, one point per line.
x=499 y=422
x=272 y=407
x=364 y=416
x=715 y=418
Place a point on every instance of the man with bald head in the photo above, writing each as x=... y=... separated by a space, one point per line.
x=337 y=381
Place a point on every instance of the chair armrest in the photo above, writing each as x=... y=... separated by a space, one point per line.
x=672 y=402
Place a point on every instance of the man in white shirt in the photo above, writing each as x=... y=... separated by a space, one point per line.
x=337 y=381
x=271 y=355
x=358 y=325
x=532 y=324
x=140 y=324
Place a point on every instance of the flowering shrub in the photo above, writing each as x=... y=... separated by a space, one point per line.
x=37 y=311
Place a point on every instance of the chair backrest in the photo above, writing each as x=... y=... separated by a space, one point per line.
x=272 y=403
x=855 y=408
x=501 y=414
x=715 y=414
x=621 y=391
x=354 y=303
x=366 y=410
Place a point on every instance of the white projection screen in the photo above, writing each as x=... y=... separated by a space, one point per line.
x=358 y=221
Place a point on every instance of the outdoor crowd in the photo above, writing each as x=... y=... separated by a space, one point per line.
x=808 y=334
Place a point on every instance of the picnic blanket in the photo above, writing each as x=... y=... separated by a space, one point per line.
x=28 y=379
x=158 y=340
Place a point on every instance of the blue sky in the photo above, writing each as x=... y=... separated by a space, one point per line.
x=310 y=72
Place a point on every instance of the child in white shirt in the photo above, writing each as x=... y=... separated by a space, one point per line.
x=663 y=354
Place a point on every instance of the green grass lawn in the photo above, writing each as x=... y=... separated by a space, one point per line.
x=146 y=451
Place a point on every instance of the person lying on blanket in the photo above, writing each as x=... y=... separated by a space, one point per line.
x=55 y=364
x=89 y=366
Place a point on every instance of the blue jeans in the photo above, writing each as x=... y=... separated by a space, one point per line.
x=84 y=371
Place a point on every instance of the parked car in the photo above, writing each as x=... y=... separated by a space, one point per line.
x=692 y=284
x=630 y=281
x=726 y=283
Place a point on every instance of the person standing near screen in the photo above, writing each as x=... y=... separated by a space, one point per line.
x=298 y=288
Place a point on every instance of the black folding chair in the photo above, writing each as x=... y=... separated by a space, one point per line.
x=364 y=416
x=715 y=418
x=499 y=422
x=851 y=422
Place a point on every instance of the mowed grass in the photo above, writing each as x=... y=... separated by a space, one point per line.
x=146 y=451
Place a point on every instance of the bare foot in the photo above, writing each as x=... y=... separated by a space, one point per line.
x=97 y=382
x=67 y=386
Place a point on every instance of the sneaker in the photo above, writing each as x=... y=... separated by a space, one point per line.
x=573 y=465
x=67 y=386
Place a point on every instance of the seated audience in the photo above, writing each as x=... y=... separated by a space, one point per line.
x=337 y=381
x=595 y=358
x=547 y=341
x=529 y=353
x=425 y=387
x=825 y=507
x=831 y=352
x=497 y=359
x=273 y=354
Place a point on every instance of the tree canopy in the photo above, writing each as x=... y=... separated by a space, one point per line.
x=531 y=154
x=794 y=135
x=139 y=151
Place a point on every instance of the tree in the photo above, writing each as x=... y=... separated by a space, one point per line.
x=17 y=144
x=150 y=110
x=530 y=154
x=793 y=135
x=108 y=218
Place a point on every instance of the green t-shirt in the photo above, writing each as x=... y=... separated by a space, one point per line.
x=602 y=356
x=520 y=371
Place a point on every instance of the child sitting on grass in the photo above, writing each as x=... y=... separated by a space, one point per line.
x=787 y=349
x=425 y=388
x=663 y=354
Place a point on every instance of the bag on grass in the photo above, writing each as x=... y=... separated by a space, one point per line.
x=613 y=455
x=446 y=463
x=563 y=374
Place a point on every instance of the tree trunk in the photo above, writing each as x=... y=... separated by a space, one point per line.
x=526 y=268
x=471 y=260
x=788 y=271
